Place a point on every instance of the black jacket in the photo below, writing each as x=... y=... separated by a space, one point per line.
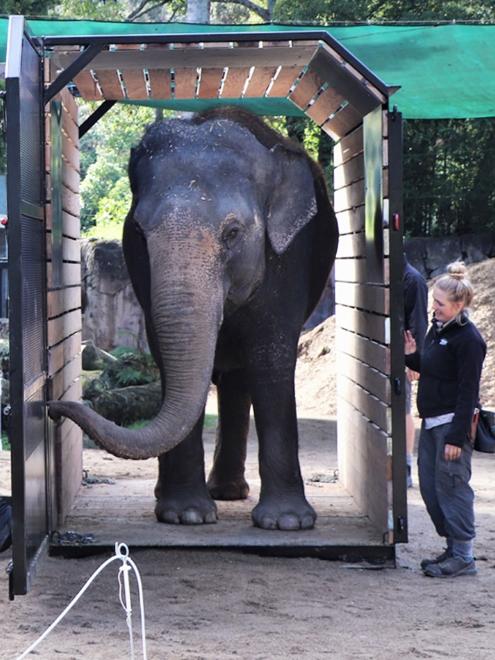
x=415 y=303
x=450 y=366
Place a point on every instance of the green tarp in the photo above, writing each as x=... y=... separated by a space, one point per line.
x=445 y=71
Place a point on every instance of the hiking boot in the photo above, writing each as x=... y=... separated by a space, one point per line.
x=451 y=567
x=437 y=560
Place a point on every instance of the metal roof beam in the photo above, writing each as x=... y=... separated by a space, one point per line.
x=101 y=110
x=72 y=70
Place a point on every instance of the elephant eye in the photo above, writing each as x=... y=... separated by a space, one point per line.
x=230 y=234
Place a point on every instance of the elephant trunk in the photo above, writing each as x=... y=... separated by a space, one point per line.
x=187 y=305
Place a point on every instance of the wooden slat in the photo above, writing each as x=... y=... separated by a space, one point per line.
x=326 y=104
x=364 y=349
x=68 y=466
x=110 y=85
x=343 y=122
x=259 y=81
x=135 y=84
x=209 y=86
x=70 y=152
x=355 y=270
x=71 y=250
x=70 y=223
x=347 y=173
x=71 y=274
x=185 y=83
x=348 y=147
x=367 y=324
x=362 y=450
x=63 y=379
x=349 y=197
x=64 y=352
x=160 y=84
x=370 y=379
x=351 y=220
x=71 y=202
x=364 y=296
x=63 y=326
x=87 y=87
x=306 y=88
x=284 y=81
x=234 y=83
x=63 y=300
x=69 y=125
x=70 y=175
x=369 y=405
x=352 y=245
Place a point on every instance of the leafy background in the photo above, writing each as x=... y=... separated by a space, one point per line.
x=449 y=166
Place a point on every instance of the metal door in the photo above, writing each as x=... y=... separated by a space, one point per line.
x=397 y=366
x=32 y=455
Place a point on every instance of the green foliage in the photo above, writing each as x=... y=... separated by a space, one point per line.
x=211 y=421
x=449 y=169
x=105 y=152
x=131 y=368
x=5 y=442
x=26 y=7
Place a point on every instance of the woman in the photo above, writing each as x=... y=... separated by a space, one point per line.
x=448 y=391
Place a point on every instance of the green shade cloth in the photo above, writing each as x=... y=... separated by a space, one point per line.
x=445 y=71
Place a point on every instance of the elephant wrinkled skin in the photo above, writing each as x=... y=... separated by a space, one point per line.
x=229 y=243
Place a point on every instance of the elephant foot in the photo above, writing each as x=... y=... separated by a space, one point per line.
x=289 y=513
x=185 y=508
x=237 y=489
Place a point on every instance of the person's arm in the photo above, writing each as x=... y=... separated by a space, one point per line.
x=412 y=355
x=416 y=305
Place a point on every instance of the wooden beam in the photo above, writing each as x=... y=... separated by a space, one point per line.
x=194 y=58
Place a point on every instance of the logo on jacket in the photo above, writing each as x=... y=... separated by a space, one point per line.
x=443 y=342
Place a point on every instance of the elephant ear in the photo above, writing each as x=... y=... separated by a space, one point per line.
x=292 y=201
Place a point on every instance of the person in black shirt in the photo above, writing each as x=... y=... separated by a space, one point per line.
x=415 y=320
x=448 y=393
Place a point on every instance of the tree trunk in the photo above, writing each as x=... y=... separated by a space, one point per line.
x=198 y=11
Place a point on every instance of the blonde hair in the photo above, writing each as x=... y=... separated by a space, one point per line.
x=456 y=284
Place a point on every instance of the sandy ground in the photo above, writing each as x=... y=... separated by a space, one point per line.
x=220 y=605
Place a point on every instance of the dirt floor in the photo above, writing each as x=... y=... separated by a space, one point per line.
x=218 y=605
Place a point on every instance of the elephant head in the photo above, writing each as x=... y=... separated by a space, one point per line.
x=213 y=199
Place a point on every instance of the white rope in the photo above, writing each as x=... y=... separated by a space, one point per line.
x=122 y=553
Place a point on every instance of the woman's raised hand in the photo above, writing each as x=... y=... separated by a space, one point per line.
x=409 y=343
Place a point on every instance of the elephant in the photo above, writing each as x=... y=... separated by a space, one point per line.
x=229 y=242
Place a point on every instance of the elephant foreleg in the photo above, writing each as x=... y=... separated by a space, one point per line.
x=181 y=492
x=282 y=504
x=226 y=480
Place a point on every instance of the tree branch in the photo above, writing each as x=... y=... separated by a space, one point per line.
x=141 y=9
x=261 y=11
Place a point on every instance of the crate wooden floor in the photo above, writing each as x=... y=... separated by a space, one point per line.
x=123 y=511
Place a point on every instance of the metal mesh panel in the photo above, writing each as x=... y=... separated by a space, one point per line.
x=30 y=137
x=33 y=270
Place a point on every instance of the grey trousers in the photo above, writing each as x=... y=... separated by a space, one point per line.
x=444 y=485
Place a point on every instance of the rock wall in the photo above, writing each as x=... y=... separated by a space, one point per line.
x=431 y=255
x=111 y=314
